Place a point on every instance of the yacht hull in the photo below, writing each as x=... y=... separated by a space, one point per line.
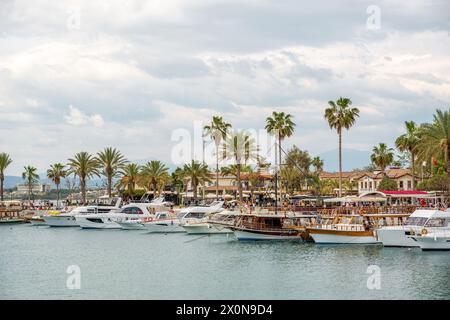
x=206 y=228
x=131 y=225
x=60 y=221
x=96 y=223
x=430 y=243
x=398 y=237
x=164 y=227
x=324 y=236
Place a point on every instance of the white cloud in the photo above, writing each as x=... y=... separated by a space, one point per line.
x=78 y=118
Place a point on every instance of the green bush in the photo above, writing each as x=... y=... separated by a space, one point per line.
x=437 y=183
x=387 y=184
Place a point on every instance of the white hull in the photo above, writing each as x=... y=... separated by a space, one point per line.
x=397 y=237
x=429 y=242
x=35 y=222
x=342 y=239
x=60 y=221
x=247 y=235
x=86 y=224
x=163 y=227
x=131 y=225
x=205 y=228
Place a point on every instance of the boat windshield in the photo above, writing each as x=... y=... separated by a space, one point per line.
x=194 y=215
x=416 y=221
x=438 y=222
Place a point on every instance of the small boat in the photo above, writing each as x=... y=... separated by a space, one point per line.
x=200 y=212
x=37 y=221
x=400 y=235
x=438 y=240
x=5 y=221
x=271 y=226
x=218 y=223
x=164 y=223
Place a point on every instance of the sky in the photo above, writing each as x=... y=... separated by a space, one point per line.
x=84 y=75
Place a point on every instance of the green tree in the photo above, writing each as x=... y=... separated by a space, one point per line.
x=317 y=163
x=382 y=156
x=31 y=177
x=281 y=126
x=5 y=162
x=197 y=173
x=154 y=174
x=341 y=116
x=217 y=130
x=57 y=172
x=387 y=184
x=240 y=147
x=408 y=142
x=435 y=139
x=111 y=161
x=84 y=166
x=130 y=174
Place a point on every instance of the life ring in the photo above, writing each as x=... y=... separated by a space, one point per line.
x=424 y=231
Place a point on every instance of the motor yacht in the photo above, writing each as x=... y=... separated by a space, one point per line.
x=199 y=213
x=217 y=223
x=164 y=222
x=67 y=219
x=437 y=240
x=137 y=212
x=400 y=235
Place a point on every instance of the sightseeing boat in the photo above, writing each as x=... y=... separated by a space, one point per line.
x=400 y=235
x=268 y=226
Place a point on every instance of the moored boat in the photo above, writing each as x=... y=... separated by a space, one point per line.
x=434 y=241
x=218 y=223
x=164 y=223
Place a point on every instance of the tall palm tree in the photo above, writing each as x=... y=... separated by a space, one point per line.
x=111 y=161
x=341 y=116
x=5 y=162
x=154 y=173
x=240 y=147
x=435 y=139
x=197 y=173
x=282 y=126
x=317 y=163
x=85 y=166
x=408 y=143
x=56 y=172
x=382 y=156
x=217 y=130
x=130 y=174
x=31 y=177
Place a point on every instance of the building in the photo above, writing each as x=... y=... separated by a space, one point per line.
x=37 y=188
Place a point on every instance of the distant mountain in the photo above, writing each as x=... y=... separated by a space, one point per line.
x=351 y=159
x=12 y=181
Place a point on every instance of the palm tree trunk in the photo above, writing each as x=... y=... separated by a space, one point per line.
x=217 y=172
x=57 y=195
x=2 y=178
x=340 y=164
x=279 y=165
x=239 y=182
x=83 y=190
x=109 y=185
x=413 y=161
x=194 y=189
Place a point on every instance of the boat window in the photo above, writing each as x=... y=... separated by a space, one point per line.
x=438 y=222
x=132 y=210
x=416 y=221
x=195 y=215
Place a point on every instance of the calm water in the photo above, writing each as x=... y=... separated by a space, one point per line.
x=117 y=264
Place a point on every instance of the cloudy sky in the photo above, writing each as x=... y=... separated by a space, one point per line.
x=82 y=75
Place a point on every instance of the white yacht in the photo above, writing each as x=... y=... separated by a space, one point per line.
x=135 y=212
x=67 y=219
x=216 y=223
x=200 y=212
x=400 y=236
x=164 y=222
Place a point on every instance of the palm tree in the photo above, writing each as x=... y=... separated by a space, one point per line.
x=282 y=126
x=154 y=173
x=31 y=177
x=240 y=147
x=56 y=172
x=382 y=156
x=5 y=161
x=317 y=163
x=85 y=166
x=197 y=173
x=408 y=143
x=435 y=139
x=112 y=161
x=217 y=130
x=341 y=116
x=130 y=174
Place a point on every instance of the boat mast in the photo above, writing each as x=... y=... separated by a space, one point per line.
x=276 y=177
